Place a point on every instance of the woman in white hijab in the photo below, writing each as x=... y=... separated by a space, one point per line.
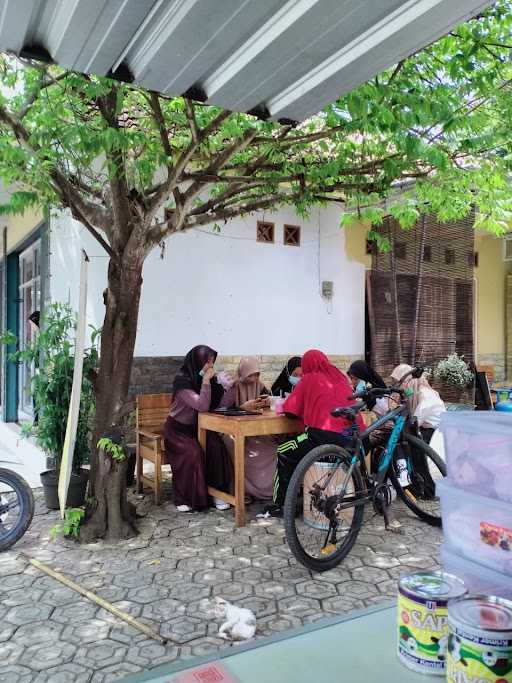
x=425 y=404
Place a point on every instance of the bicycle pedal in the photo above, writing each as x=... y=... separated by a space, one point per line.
x=410 y=496
x=328 y=549
x=394 y=527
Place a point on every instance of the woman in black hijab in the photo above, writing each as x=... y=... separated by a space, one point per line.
x=289 y=377
x=361 y=371
x=196 y=390
x=191 y=375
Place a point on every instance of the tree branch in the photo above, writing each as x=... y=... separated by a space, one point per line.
x=217 y=165
x=117 y=175
x=163 y=191
x=240 y=209
x=191 y=118
x=44 y=83
x=162 y=128
x=106 y=246
x=396 y=71
x=300 y=139
x=86 y=212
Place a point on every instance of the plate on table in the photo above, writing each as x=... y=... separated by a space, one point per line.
x=235 y=412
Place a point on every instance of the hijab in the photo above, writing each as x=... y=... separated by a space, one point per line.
x=410 y=383
x=188 y=376
x=282 y=385
x=243 y=390
x=365 y=372
x=323 y=388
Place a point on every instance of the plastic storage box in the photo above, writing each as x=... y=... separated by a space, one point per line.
x=477 y=528
x=478 y=451
x=478 y=579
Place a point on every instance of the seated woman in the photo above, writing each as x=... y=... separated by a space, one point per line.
x=260 y=451
x=363 y=376
x=323 y=388
x=289 y=378
x=196 y=390
x=361 y=373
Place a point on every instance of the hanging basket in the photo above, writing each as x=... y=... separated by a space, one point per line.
x=454 y=394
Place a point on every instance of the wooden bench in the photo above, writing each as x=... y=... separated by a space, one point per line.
x=152 y=411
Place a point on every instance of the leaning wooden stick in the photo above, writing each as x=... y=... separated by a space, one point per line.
x=95 y=598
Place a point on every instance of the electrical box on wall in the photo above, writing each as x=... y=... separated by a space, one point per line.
x=327 y=289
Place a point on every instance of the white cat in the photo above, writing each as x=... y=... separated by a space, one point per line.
x=239 y=624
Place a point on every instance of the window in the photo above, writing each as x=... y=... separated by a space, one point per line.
x=292 y=235
x=507 y=248
x=449 y=257
x=29 y=301
x=265 y=232
x=427 y=253
x=401 y=250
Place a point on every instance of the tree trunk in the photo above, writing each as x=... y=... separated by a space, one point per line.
x=109 y=515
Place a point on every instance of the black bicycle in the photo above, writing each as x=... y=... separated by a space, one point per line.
x=16 y=507
x=324 y=506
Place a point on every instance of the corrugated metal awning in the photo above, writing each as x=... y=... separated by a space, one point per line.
x=277 y=58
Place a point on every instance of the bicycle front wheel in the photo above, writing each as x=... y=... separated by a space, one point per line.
x=319 y=536
x=16 y=508
x=426 y=468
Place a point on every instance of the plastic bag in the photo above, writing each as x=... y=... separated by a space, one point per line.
x=429 y=409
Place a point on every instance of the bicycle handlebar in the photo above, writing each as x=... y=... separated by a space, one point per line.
x=370 y=392
x=416 y=373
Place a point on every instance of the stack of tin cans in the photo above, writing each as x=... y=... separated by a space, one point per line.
x=443 y=631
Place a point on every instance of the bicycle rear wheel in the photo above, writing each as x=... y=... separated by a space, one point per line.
x=426 y=468
x=16 y=508
x=309 y=506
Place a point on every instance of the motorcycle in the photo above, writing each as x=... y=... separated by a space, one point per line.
x=16 y=507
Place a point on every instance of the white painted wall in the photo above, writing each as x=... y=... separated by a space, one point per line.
x=228 y=291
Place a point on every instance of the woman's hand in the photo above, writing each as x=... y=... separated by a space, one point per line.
x=208 y=374
x=254 y=404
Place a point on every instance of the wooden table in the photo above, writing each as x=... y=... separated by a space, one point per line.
x=267 y=424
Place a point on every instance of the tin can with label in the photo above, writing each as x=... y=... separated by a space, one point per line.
x=480 y=640
x=423 y=619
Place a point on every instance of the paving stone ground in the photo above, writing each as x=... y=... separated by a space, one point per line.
x=166 y=578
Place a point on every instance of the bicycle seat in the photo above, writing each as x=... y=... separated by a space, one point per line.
x=349 y=413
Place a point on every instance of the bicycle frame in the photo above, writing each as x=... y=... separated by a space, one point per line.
x=358 y=459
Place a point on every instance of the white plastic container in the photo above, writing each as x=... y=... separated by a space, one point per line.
x=478 y=450
x=478 y=528
x=477 y=578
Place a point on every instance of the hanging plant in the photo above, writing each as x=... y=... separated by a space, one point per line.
x=454 y=371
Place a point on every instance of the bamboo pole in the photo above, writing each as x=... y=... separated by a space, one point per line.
x=419 y=285
x=96 y=599
x=398 y=335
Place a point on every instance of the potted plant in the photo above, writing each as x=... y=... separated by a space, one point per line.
x=454 y=378
x=52 y=353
